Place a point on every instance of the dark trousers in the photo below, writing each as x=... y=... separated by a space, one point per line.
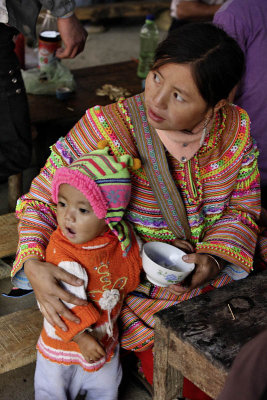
x=15 y=132
x=264 y=196
x=247 y=379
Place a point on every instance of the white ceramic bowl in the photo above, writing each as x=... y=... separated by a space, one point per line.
x=163 y=264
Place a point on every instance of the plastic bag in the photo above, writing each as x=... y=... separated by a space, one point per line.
x=48 y=80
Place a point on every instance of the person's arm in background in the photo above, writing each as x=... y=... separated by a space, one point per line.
x=23 y=14
x=194 y=10
x=72 y=33
x=3 y=12
x=232 y=25
x=73 y=36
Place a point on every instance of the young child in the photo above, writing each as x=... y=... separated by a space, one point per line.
x=94 y=243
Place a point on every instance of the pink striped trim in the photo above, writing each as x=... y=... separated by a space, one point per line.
x=85 y=185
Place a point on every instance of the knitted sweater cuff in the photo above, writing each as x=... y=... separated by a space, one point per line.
x=87 y=315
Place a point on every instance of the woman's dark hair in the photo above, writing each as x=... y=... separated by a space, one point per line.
x=216 y=60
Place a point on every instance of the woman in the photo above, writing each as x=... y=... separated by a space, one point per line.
x=198 y=188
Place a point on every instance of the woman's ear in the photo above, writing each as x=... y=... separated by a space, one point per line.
x=220 y=104
x=232 y=94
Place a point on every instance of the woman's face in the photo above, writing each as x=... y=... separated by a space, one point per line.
x=173 y=101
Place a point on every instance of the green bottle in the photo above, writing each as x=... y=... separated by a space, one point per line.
x=149 y=36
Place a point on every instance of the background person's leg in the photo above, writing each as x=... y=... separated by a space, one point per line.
x=247 y=377
x=15 y=130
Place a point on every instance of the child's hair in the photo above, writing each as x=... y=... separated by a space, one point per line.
x=216 y=60
x=106 y=183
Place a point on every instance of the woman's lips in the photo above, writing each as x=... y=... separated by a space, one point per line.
x=155 y=117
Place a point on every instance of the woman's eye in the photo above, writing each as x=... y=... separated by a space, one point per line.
x=61 y=204
x=156 y=77
x=178 y=97
x=83 y=211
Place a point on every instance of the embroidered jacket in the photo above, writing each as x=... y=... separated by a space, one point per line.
x=108 y=277
x=219 y=185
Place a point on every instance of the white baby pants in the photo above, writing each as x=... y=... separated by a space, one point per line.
x=54 y=381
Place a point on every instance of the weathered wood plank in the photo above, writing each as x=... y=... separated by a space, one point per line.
x=8 y=234
x=125 y=9
x=167 y=381
x=5 y=269
x=204 y=338
x=19 y=332
x=195 y=366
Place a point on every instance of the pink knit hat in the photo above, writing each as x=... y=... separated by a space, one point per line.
x=106 y=183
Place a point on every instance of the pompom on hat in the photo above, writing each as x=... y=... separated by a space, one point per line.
x=105 y=181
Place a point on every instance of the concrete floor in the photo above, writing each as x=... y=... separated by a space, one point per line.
x=120 y=42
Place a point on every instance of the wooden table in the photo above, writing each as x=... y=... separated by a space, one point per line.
x=199 y=338
x=47 y=109
x=53 y=118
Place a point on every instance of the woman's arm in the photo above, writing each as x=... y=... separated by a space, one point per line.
x=36 y=213
x=35 y=210
x=233 y=236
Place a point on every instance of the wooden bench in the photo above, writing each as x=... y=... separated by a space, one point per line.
x=19 y=331
x=200 y=338
x=123 y=9
x=8 y=234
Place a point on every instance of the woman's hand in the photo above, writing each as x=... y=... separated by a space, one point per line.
x=206 y=268
x=183 y=245
x=89 y=346
x=44 y=278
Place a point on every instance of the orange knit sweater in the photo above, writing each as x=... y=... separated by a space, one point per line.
x=101 y=260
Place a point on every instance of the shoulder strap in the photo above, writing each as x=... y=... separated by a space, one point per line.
x=156 y=167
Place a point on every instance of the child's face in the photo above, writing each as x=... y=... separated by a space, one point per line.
x=75 y=216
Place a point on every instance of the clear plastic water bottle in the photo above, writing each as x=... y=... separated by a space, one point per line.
x=49 y=41
x=149 y=36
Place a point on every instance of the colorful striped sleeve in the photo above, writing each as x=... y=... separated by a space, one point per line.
x=233 y=236
x=35 y=210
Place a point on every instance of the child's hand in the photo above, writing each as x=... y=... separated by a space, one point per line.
x=89 y=346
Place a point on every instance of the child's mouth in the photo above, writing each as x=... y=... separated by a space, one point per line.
x=70 y=232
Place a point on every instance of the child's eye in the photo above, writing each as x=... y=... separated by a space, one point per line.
x=61 y=204
x=178 y=97
x=156 y=77
x=83 y=211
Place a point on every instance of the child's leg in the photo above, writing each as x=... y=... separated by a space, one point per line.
x=54 y=381
x=104 y=384
x=51 y=380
